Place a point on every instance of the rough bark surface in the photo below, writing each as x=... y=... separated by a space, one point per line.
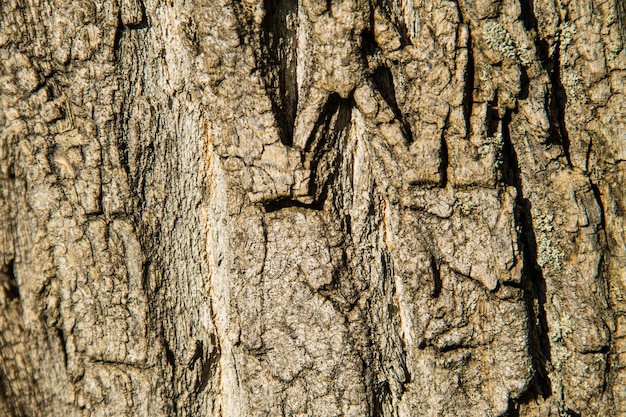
x=312 y=208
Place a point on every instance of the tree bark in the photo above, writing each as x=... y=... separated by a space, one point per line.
x=312 y=208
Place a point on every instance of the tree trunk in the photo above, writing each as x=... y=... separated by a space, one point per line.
x=312 y=208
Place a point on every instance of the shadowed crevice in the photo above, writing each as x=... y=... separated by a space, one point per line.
x=468 y=94
x=209 y=364
x=528 y=17
x=527 y=14
x=323 y=153
x=325 y=150
x=533 y=280
x=382 y=395
x=444 y=159
x=279 y=63
x=434 y=266
x=524 y=84
x=117 y=38
x=169 y=355
x=171 y=360
x=8 y=279
x=598 y=196
x=369 y=46
x=390 y=9
x=557 y=106
x=383 y=80
x=492 y=119
x=198 y=354
x=63 y=343
x=142 y=23
x=283 y=203
x=557 y=98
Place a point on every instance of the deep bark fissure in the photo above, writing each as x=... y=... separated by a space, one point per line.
x=9 y=281
x=381 y=397
x=529 y=18
x=382 y=78
x=170 y=359
x=369 y=46
x=208 y=362
x=524 y=84
x=279 y=62
x=557 y=104
x=392 y=9
x=198 y=354
x=513 y=410
x=557 y=97
x=325 y=162
x=63 y=343
x=468 y=93
x=323 y=153
x=434 y=267
x=532 y=275
x=492 y=118
x=444 y=162
x=140 y=23
x=598 y=196
x=117 y=40
x=270 y=206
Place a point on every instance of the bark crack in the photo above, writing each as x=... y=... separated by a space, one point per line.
x=532 y=275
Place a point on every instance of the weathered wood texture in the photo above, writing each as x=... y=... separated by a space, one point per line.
x=312 y=208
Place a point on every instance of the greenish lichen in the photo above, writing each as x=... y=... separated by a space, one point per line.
x=573 y=83
x=547 y=253
x=562 y=330
x=566 y=32
x=560 y=354
x=617 y=294
x=465 y=204
x=492 y=145
x=500 y=40
x=563 y=37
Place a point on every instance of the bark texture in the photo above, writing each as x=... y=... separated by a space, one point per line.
x=312 y=208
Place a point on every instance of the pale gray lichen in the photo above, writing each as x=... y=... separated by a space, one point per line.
x=547 y=253
x=563 y=329
x=500 y=40
x=560 y=354
x=571 y=79
x=566 y=32
x=465 y=204
x=573 y=83
x=617 y=294
x=564 y=36
x=492 y=144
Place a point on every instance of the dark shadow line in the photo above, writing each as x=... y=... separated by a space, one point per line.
x=532 y=274
x=278 y=63
x=468 y=99
x=382 y=78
